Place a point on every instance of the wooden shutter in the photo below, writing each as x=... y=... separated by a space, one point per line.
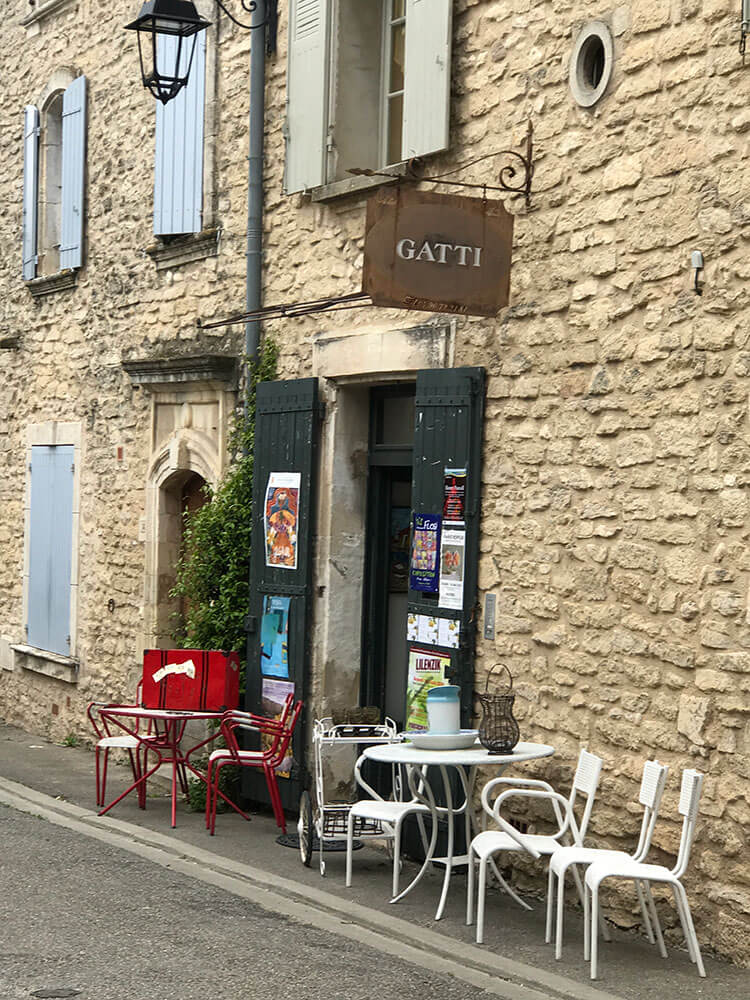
x=307 y=94
x=178 y=171
x=427 y=85
x=73 y=173
x=30 y=189
x=286 y=440
x=50 y=548
x=449 y=408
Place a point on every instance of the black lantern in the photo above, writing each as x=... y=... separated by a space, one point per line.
x=165 y=67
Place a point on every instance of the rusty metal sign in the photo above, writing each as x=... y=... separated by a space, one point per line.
x=437 y=252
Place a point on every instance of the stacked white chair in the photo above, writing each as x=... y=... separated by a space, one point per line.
x=652 y=788
x=488 y=844
x=640 y=872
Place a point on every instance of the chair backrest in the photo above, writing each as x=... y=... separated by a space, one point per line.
x=585 y=782
x=280 y=749
x=652 y=788
x=690 y=793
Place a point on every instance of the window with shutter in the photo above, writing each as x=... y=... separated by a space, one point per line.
x=30 y=190
x=73 y=173
x=178 y=172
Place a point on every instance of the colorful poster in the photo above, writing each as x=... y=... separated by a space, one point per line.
x=426 y=670
x=273 y=695
x=425 y=546
x=427 y=629
x=452 y=553
x=398 y=567
x=281 y=516
x=412 y=626
x=454 y=495
x=449 y=631
x=274 y=637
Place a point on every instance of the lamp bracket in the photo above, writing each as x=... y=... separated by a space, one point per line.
x=271 y=21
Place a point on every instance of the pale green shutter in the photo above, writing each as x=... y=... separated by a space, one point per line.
x=307 y=94
x=30 y=189
x=427 y=85
x=73 y=173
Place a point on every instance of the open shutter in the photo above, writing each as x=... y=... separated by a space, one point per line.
x=30 y=189
x=427 y=85
x=307 y=94
x=50 y=548
x=178 y=171
x=73 y=173
x=449 y=408
x=286 y=441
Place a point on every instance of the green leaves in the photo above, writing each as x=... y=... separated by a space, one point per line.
x=213 y=571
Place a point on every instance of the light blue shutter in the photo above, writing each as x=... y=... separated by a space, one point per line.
x=307 y=95
x=73 y=173
x=427 y=77
x=30 y=189
x=50 y=547
x=178 y=173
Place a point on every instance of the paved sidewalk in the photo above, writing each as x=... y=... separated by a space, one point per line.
x=58 y=783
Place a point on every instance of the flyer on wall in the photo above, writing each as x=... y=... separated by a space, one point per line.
x=273 y=694
x=425 y=547
x=280 y=516
x=274 y=637
x=426 y=671
x=452 y=552
x=454 y=496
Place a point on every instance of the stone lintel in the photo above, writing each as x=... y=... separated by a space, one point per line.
x=184 y=249
x=153 y=373
x=41 y=661
x=32 y=22
x=63 y=281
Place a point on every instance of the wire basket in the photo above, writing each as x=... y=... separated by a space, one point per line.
x=498 y=730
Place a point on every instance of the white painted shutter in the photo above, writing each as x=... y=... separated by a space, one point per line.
x=427 y=86
x=307 y=95
x=30 y=189
x=178 y=171
x=73 y=173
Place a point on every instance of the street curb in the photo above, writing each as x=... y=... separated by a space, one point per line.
x=497 y=975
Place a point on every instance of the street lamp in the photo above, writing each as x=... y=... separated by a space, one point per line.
x=165 y=73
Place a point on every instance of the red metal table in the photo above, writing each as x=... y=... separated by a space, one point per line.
x=165 y=739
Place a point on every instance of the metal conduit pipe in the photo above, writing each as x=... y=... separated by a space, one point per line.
x=254 y=253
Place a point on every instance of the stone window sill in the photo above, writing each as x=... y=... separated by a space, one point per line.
x=184 y=249
x=33 y=22
x=41 y=661
x=50 y=284
x=357 y=185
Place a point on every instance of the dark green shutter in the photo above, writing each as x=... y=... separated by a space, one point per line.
x=286 y=437
x=449 y=410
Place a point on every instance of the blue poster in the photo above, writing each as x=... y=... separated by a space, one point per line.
x=425 y=553
x=274 y=637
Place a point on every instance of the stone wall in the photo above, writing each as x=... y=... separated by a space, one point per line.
x=615 y=505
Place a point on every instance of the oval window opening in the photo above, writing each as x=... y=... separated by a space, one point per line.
x=593 y=62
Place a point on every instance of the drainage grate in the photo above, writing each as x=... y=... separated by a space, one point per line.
x=292 y=840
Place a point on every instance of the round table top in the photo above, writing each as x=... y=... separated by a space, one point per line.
x=138 y=712
x=406 y=753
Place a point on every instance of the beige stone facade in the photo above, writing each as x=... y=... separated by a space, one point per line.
x=615 y=509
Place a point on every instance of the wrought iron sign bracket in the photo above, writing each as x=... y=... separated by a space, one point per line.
x=515 y=177
x=271 y=21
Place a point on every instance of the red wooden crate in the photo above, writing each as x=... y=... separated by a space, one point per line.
x=197 y=680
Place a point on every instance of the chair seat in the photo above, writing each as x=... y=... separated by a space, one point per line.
x=490 y=841
x=249 y=756
x=117 y=743
x=564 y=857
x=627 y=868
x=386 y=812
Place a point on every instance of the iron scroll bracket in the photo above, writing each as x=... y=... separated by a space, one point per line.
x=515 y=176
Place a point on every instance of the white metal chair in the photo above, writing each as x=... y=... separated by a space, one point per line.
x=486 y=845
x=638 y=871
x=652 y=788
x=391 y=814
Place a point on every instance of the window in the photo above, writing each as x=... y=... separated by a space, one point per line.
x=368 y=85
x=178 y=172
x=50 y=548
x=53 y=186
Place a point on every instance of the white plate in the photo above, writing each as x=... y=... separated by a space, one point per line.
x=461 y=740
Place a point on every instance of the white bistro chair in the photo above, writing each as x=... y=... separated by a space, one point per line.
x=638 y=871
x=652 y=788
x=488 y=844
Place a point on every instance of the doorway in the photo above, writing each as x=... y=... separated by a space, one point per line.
x=386 y=593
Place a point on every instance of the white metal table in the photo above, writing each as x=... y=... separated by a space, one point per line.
x=409 y=756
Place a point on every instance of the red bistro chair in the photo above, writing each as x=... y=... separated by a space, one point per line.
x=278 y=733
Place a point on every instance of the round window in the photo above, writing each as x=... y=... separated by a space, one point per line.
x=591 y=63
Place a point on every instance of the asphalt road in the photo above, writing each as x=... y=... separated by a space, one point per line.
x=77 y=914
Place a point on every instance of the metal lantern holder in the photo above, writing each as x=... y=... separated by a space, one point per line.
x=498 y=730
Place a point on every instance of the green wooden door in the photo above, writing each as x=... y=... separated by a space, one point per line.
x=286 y=439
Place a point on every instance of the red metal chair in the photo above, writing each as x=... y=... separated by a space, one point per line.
x=278 y=734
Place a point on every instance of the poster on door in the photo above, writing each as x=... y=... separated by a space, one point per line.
x=273 y=695
x=425 y=547
x=274 y=637
x=427 y=670
x=280 y=517
x=454 y=496
x=452 y=559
